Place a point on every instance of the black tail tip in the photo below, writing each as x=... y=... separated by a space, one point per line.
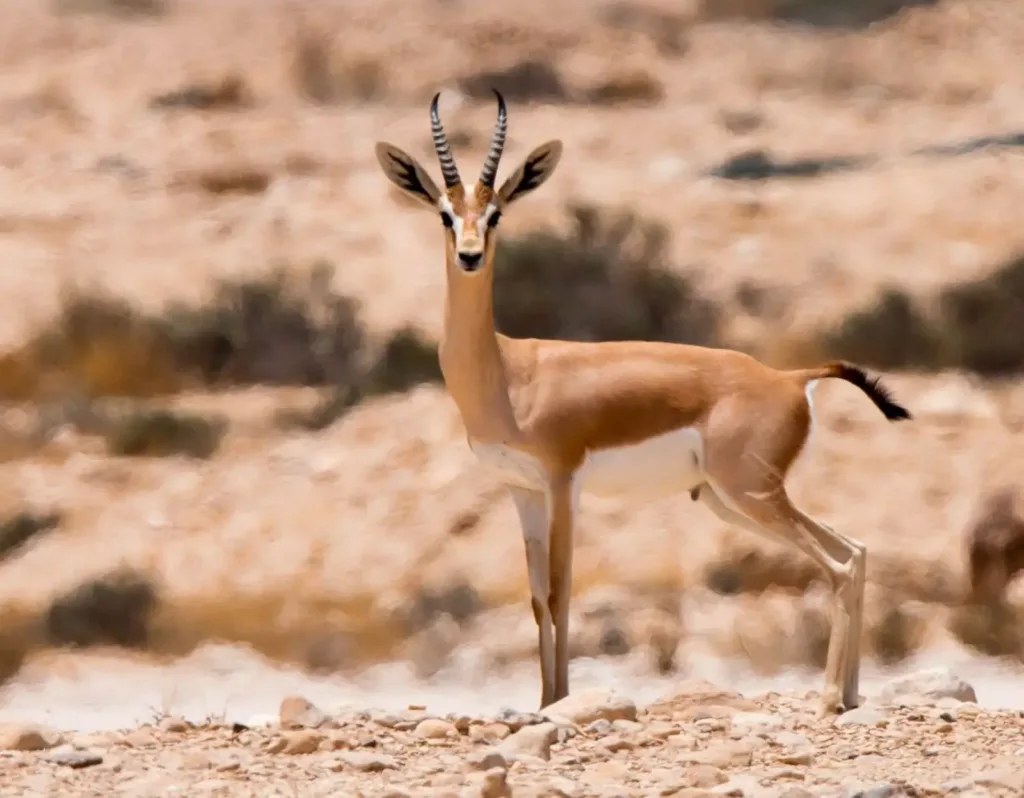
x=878 y=393
x=895 y=412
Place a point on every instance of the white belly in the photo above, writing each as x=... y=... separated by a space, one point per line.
x=667 y=464
x=661 y=466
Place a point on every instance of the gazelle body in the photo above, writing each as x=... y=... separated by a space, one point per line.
x=554 y=419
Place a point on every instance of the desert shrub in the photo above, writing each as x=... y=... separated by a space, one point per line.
x=984 y=321
x=609 y=278
x=324 y=79
x=666 y=29
x=163 y=433
x=538 y=81
x=97 y=345
x=894 y=333
x=993 y=629
x=819 y=13
x=111 y=610
x=995 y=547
x=17 y=531
x=116 y=8
x=281 y=329
x=229 y=92
x=896 y=636
x=755 y=571
x=531 y=80
x=636 y=87
x=276 y=329
x=460 y=600
x=405 y=360
x=978 y=326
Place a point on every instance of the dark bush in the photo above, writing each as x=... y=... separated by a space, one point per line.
x=278 y=329
x=978 y=326
x=323 y=77
x=114 y=8
x=229 y=92
x=18 y=531
x=460 y=600
x=984 y=321
x=895 y=637
x=841 y=13
x=609 y=278
x=892 y=334
x=526 y=81
x=407 y=359
x=162 y=433
x=755 y=571
x=848 y=14
x=110 y=610
x=993 y=629
x=665 y=28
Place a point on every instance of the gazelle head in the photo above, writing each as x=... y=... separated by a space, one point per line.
x=470 y=218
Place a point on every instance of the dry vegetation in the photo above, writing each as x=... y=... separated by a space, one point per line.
x=246 y=444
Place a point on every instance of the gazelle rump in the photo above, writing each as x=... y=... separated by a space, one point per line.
x=555 y=419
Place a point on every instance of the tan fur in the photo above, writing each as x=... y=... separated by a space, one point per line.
x=558 y=401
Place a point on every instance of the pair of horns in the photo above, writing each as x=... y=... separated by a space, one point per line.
x=444 y=150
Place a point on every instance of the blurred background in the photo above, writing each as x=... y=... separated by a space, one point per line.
x=227 y=461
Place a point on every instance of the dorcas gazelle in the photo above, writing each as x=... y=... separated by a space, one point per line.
x=555 y=419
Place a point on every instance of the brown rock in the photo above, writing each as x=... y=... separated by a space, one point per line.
x=174 y=725
x=298 y=713
x=489 y=732
x=304 y=741
x=706 y=776
x=368 y=762
x=486 y=759
x=797 y=758
x=587 y=706
x=27 y=737
x=614 y=743
x=721 y=756
x=928 y=685
x=494 y=784
x=531 y=742
x=75 y=759
x=435 y=729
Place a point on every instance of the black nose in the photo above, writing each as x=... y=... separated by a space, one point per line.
x=470 y=260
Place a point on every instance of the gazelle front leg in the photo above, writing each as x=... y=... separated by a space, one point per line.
x=534 y=520
x=561 y=541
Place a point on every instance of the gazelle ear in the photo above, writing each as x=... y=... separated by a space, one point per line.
x=532 y=173
x=405 y=172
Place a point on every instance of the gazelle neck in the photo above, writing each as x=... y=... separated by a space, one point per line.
x=471 y=359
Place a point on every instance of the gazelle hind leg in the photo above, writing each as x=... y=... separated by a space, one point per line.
x=532 y=507
x=840 y=544
x=771 y=515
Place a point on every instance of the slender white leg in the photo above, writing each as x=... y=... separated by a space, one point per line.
x=534 y=515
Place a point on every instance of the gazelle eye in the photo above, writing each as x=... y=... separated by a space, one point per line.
x=447 y=220
x=493 y=219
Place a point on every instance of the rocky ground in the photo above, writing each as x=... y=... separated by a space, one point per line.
x=923 y=734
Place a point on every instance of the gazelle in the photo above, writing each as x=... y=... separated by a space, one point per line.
x=557 y=418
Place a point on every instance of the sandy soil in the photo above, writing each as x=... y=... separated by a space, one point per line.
x=307 y=546
x=923 y=735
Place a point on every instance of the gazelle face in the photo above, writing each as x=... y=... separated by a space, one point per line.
x=472 y=226
x=470 y=218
